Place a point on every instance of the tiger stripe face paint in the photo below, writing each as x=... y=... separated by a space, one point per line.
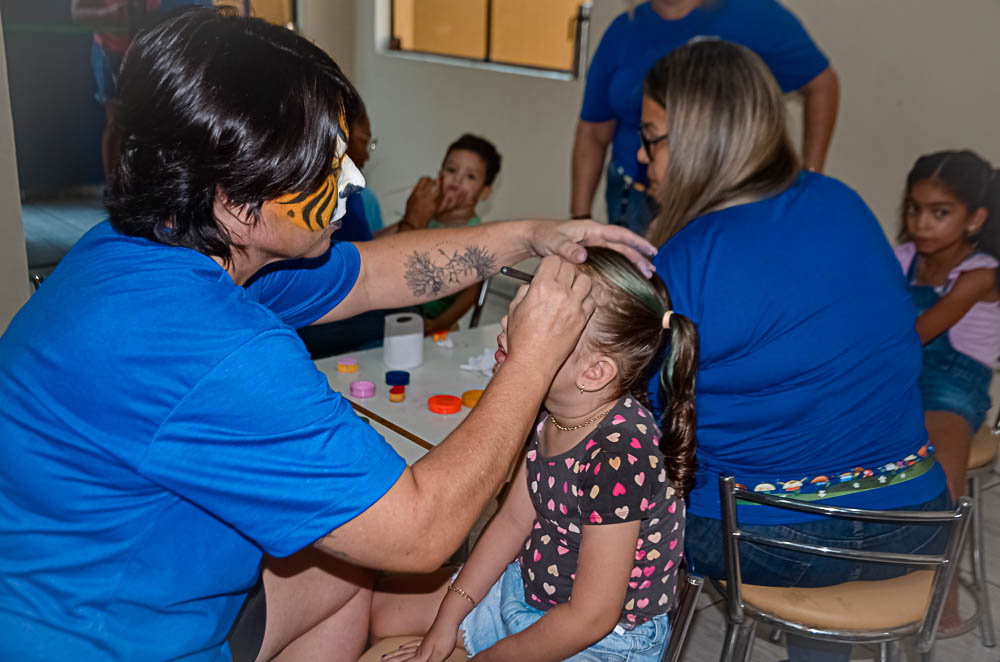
x=315 y=210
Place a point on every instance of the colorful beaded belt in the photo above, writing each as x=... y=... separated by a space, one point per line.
x=851 y=481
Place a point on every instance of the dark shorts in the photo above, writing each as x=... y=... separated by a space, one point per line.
x=247 y=634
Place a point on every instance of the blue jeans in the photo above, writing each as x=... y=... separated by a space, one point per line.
x=504 y=612
x=628 y=205
x=770 y=566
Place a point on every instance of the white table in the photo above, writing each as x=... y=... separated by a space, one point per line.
x=409 y=426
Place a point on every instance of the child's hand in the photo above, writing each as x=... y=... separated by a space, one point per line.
x=435 y=647
x=422 y=205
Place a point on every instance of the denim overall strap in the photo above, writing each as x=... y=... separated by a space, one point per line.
x=949 y=379
x=924 y=296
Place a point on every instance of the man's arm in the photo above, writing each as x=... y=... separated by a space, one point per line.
x=414 y=267
x=423 y=518
x=589 y=149
x=819 y=116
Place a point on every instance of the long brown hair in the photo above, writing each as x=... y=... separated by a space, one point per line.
x=727 y=135
x=628 y=326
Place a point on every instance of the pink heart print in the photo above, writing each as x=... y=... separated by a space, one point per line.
x=618 y=419
x=595 y=518
x=673 y=543
x=636 y=572
x=618 y=489
x=635 y=443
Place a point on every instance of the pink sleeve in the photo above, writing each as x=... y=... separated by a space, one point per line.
x=974 y=261
x=905 y=253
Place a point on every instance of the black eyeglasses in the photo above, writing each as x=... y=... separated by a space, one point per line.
x=649 y=143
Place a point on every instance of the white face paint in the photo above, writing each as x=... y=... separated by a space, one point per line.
x=349 y=181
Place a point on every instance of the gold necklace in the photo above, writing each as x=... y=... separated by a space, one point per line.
x=577 y=427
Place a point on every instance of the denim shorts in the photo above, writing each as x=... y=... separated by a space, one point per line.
x=504 y=612
x=952 y=381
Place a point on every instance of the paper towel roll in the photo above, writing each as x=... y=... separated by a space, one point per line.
x=403 y=346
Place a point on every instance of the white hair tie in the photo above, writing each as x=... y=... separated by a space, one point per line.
x=666 y=319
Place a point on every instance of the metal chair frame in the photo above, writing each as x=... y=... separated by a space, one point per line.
x=680 y=621
x=979 y=588
x=740 y=629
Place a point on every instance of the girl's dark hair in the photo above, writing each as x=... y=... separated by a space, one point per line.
x=213 y=104
x=971 y=179
x=629 y=327
x=486 y=151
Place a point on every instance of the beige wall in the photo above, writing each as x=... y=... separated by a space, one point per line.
x=917 y=75
x=13 y=257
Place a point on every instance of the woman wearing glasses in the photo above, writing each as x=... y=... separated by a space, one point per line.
x=807 y=376
x=635 y=41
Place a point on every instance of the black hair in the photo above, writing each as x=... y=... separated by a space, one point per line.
x=484 y=148
x=971 y=179
x=214 y=104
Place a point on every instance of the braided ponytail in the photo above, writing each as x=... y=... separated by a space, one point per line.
x=679 y=421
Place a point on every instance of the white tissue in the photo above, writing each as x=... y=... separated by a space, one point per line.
x=481 y=363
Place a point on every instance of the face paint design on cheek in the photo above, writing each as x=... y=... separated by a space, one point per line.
x=316 y=210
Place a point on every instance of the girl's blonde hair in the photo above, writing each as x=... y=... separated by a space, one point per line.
x=727 y=135
x=628 y=326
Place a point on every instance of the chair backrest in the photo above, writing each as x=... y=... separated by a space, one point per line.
x=477 y=311
x=680 y=617
x=945 y=565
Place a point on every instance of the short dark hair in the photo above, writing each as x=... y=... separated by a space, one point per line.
x=214 y=103
x=484 y=148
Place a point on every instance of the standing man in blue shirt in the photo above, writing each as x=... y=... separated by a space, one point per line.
x=631 y=45
x=164 y=430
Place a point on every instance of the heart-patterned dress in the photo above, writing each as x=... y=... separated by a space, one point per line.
x=615 y=474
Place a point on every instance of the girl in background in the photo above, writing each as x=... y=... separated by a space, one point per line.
x=951 y=238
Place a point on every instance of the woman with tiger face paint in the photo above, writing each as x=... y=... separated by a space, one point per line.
x=164 y=429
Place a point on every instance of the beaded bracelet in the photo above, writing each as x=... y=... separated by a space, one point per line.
x=455 y=589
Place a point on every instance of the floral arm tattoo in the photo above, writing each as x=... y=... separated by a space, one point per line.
x=425 y=277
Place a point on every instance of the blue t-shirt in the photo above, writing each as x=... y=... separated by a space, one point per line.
x=631 y=46
x=809 y=357
x=355 y=225
x=162 y=427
